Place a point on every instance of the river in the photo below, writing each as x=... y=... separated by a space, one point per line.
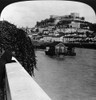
x=68 y=78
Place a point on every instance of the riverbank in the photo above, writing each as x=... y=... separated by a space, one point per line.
x=42 y=45
x=82 y=45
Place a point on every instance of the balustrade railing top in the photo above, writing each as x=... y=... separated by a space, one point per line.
x=20 y=85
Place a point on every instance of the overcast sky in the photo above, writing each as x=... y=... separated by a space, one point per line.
x=29 y=12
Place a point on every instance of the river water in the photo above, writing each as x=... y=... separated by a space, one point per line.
x=68 y=78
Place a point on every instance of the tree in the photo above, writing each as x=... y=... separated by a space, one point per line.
x=82 y=18
x=17 y=40
x=93 y=27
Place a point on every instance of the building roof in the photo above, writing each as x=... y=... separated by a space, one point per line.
x=60 y=45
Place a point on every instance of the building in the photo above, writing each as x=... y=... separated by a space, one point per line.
x=52 y=38
x=72 y=16
x=67 y=24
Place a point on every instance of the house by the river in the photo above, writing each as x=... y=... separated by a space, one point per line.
x=58 y=48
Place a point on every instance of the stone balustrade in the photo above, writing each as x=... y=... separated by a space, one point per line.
x=19 y=85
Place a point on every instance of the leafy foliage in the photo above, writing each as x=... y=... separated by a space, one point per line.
x=17 y=40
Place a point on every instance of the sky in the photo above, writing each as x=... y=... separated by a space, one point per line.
x=27 y=13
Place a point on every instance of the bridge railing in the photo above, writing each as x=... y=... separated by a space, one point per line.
x=19 y=85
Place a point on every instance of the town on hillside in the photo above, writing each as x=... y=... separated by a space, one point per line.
x=68 y=28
